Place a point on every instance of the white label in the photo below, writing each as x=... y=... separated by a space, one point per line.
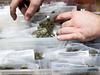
x=16 y=56
x=68 y=66
x=20 y=53
x=79 y=53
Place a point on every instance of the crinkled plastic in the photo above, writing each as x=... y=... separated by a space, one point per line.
x=81 y=47
x=72 y=66
x=48 y=48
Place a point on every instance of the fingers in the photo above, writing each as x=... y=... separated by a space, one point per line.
x=72 y=36
x=62 y=16
x=14 y=4
x=66 y=30
x=34 y=5
x=22 y=8
x=67 y=24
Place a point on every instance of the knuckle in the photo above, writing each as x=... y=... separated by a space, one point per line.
x=57 y=32
x=63 y=25
x=11 y=6
x=74 y=37
x=29 y=13
x=65 y=38
x=75 y=22
x=60 y=17
x=36 y=2
x=74 y=12
x=61 y=31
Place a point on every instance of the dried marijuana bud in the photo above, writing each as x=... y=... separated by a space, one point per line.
x=23 y=68
x=41 y=33
x=75 y=50
x=8 y=68
x=45 y=29
x=53 y=12
x=1 y=68
x=69 y=50
x=48 y=24
x=0 y=30
x=38 y=56
x=90 y=65
x=94 y=52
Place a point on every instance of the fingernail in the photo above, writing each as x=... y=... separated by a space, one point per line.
x=14 y=17
x=58 y=37
x=27 y=18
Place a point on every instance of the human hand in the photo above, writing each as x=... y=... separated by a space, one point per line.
x=82 y=26
x=28 y=13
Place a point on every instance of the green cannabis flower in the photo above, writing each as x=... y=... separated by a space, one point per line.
x=69 y=50
x=38 y=56
x=23 y=68
x=94 y=52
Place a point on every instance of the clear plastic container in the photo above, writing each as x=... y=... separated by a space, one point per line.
x=30 y=42
x=82 y=47
x=45 y=69
x=40 y=45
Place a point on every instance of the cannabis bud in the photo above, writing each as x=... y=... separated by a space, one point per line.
x=69 y=50
x=38 y=56
x=23 y=68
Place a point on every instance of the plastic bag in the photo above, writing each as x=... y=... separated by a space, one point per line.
x=81 y=47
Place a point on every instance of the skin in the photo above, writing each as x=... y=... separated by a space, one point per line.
x=82 y=26
x=33 y=6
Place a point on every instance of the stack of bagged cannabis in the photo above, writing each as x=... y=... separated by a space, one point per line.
x=45 y=29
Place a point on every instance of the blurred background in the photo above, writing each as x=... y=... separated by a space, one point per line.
x=93 y=5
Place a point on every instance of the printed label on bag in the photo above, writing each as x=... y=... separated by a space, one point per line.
x=79 y=53
x=19 y=56
x=68 y=66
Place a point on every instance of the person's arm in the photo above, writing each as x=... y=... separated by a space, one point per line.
x=28 y=13
x=82 y=26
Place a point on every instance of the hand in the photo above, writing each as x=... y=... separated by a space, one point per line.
x=82 y=26
x=28 y=13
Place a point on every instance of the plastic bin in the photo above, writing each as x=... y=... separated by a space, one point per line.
x=41 y=45
x=32 y=42
x=45 y=69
